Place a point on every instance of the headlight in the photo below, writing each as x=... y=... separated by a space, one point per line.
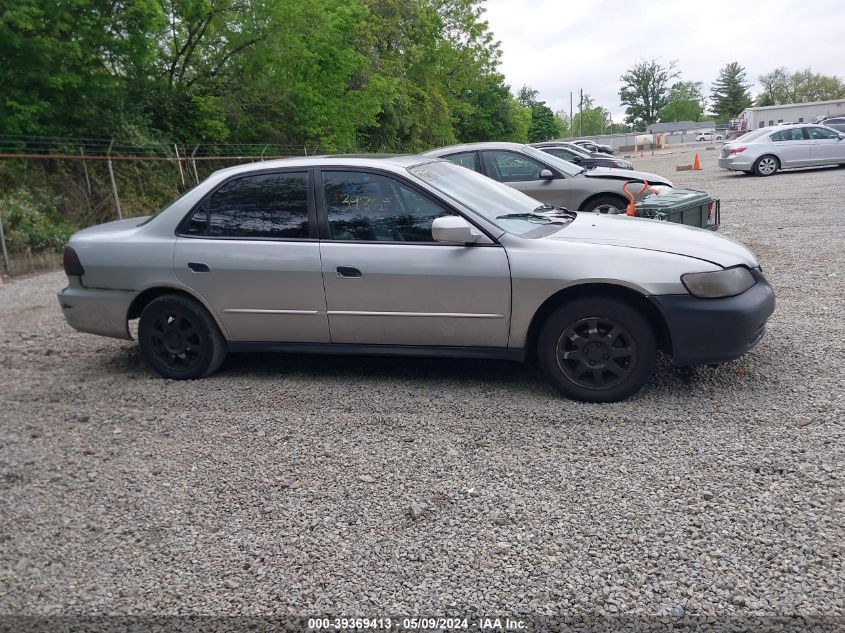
x=660 y=189
x=719 y=284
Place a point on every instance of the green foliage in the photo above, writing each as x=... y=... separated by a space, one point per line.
x=729 y=93
x=644 y=91
x=685 y=102
x=32 y=223
x=544 y=125
x=803 y=86
x=591 y=120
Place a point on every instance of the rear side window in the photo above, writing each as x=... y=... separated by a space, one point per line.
x=561 y=153
x=264 y=206
x=464 y=159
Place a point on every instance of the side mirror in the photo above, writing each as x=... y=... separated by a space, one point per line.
x=577 y=160
x=842 y=137
x=545 y=174
x=452 y=228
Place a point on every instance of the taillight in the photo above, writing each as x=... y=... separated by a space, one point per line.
x=71 y=262
x=737 y=150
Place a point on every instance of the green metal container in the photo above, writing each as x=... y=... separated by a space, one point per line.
x=684 y=206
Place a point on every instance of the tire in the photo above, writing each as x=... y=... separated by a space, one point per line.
x=606 y=204
x=590 y=323
x=179 y=338
x=766 y=165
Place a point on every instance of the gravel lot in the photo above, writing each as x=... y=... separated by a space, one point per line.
x=366 y=486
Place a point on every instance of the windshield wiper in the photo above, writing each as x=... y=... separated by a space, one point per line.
x=550 y=209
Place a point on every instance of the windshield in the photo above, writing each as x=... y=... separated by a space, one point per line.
x=558 y=163
x=507 y=208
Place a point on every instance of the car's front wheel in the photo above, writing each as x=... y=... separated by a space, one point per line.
x=597 y=350
x=179 y=338
x=606 y=204
x=766 y=165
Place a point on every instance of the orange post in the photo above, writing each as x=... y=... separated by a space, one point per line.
x=631 y=210
x=696 y=164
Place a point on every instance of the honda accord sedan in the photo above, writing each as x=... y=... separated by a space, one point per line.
x=412 y=256
x=764 y=151
x=548 y=178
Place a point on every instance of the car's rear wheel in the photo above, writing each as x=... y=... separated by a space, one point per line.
x=766 y=165
x=179 y=338
x=597 y=350
x=606 y=204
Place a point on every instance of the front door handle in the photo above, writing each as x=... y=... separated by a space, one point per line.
x=349 y=272
x=197 y=267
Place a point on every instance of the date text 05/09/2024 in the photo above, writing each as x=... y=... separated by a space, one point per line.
x=417 y=624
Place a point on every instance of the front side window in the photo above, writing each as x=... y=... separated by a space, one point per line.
x=510 y=167
x=820 y=133
x=265 y=206
x=372 y=207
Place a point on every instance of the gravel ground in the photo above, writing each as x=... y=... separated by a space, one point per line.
x=365 y=486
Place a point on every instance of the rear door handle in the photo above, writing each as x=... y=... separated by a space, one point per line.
x=349 y=272
x=197 y=267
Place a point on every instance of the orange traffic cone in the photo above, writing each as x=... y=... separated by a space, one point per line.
x=696 y=164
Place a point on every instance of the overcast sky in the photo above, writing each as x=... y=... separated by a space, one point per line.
x=556 y=46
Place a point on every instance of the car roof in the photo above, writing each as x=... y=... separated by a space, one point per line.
x=471 y=147
x=392 y=162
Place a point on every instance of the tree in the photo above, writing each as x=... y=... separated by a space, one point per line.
x=644 y=91
x=544 y=125
x=591 y=119
x=729 y=93
x=783 y=86
x=527 y=96
x=684 y=102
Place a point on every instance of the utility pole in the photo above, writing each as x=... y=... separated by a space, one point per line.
x=571 y=118
x=581 y=114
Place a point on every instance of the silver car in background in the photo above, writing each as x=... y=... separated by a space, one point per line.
x=412 y=256
x=548 y=178
x=764 y=151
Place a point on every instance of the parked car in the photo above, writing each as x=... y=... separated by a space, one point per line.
x=411 y=256
x=595 y=147
x=547 y=178
x=580 y=157
x=766 y=150
x=837 y=123
x=709 y=136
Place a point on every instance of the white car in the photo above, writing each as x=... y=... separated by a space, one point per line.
x=766 y=150
x=708 y=136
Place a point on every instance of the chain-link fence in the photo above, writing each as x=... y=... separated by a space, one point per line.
x=81 y=182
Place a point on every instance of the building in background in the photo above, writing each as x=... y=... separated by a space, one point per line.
x=682 y=127
x=764 y=116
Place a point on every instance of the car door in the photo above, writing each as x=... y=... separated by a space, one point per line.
x=389 y=283
x=826 y=146
x=792 y=147
x=250 y=250
x=523 y=173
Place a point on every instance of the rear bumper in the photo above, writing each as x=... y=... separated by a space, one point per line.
x=97 y=311
x=707 y=331
x=736 y=162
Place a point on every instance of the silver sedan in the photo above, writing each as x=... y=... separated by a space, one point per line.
x=764 y=151
x=415 y=256
x=548 y=178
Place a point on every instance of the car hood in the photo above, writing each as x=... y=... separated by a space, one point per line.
x=656 y=235
x=614 y=173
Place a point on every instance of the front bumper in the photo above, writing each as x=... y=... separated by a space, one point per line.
x=705 y=331
x=97 y=311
